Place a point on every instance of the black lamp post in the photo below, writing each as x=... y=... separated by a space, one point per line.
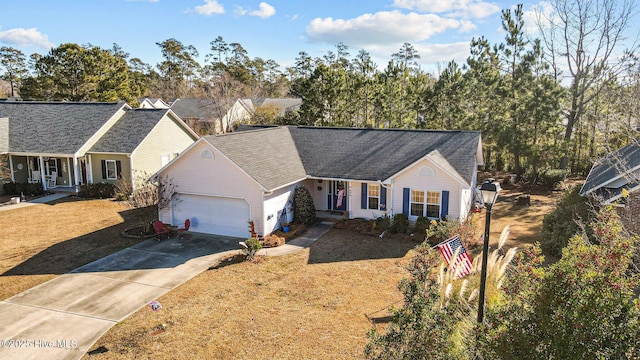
x=489 y=192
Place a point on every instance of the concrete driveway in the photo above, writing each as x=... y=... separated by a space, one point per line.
x=62 y=318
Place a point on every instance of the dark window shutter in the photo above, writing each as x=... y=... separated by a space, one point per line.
x=364 y=194
x=59 y=166
x=406 y=193
x=383 y=198
x=118 y=169
x=104 y=168
x=444 y=208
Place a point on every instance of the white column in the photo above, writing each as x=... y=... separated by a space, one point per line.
x=43 y=180
x=11 y=167
x=76 y=179
x=89 y=169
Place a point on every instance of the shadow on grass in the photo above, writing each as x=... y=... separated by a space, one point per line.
x=62 y=257
x=345 y=245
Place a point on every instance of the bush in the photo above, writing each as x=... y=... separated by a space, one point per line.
x=253 y=246
x=399 y=224
x=421 y=225
x=16 y=188
x=383 y=223
x=96 y=191
x=304 y=210
x=562 y=223
x=548 y=178
x=440 y=230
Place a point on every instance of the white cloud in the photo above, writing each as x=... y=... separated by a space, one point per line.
x=381 y=28
x=459 y=8
x=210 y=7
x=265 y=11
x=26 y=37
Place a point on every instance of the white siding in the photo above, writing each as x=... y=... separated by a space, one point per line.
x=166 y=138
x=217 y=176
x=274 y=204
x=356 y=206
x=412 y=179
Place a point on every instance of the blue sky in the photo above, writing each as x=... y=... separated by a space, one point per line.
x=440 y=30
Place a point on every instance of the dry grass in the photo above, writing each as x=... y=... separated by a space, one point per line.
x=42 y=241
x=318 y=303
x=310 y=305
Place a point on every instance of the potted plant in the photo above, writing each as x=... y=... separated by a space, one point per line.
x=285 y=226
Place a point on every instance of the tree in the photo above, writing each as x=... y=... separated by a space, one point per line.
x=13 y=64
x=587 y=35
x=582 y=307
x=178 y=67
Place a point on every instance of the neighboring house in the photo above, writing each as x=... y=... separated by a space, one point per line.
x=224 y=181
x=152 y=103
x=244 y=109
x=67 y=144
x=202 y=115
x=610 y=175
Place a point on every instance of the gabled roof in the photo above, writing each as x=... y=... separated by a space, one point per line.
x=133 y=127
x=269 y=156
x=277 y=156
x=54 y=127
x=192 y=108
x=379 y=154
x=614 y=166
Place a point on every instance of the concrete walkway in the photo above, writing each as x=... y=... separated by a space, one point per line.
x=64 y=317
x=40 y=200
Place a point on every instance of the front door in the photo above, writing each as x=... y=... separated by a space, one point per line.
x=337 y=198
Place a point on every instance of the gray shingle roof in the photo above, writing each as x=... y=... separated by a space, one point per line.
x=54 y=127
x=281 y=155
x=612 y=166
x=378 y=154
x=191 y=108
x=126 y=134
x=269 y=155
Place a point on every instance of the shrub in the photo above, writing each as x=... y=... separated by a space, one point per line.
x=442 y=229
x=17 y=188
x=123 y=189
x=96 y=191
x=399 y=224
x=383 y=223
x=304 y=210
x=562 y=223
x=421 y=225
x=551 y=178
x=253 y=246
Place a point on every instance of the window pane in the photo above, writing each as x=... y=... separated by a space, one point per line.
x=417 y=209
x=374 y=190
x=417 y=196
x=373 y=203
x=433 y=197
x=433 y=211
x=111 y=170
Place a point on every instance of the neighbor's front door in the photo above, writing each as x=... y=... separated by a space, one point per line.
x=337 y=198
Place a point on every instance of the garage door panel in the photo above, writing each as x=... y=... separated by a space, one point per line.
x=213 y=215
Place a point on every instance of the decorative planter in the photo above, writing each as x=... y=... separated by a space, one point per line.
x=285 y=228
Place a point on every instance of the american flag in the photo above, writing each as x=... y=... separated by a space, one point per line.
x=448 y=248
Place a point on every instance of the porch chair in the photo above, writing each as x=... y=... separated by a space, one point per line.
x=52 y=179
x=160 y=229
x=181 y=231
x=35 y=177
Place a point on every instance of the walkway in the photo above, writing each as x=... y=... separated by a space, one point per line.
x=64 y=317
x=40 y=200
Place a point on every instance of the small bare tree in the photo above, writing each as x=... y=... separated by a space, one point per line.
x=149 y=196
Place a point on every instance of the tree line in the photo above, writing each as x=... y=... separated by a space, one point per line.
x=558 y=101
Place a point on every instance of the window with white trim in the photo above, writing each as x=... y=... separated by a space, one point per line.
x=112 y=169
x=373 y=196
x=425 y=203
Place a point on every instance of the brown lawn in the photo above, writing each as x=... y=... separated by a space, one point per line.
x=318 y=303
x=42 y=241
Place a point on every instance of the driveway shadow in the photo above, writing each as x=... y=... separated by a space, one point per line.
x=97 y=251
x=346 y=245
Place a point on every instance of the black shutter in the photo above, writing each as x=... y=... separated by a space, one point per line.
x=104 y=169
x=363 y=196
x=59 y=166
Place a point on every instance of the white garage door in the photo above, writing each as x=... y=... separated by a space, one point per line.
x=213 y=215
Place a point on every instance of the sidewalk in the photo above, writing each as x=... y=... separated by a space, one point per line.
x=64 y=317
x=40 y=200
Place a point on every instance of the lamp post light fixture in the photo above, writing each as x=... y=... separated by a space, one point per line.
x=489 y=190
